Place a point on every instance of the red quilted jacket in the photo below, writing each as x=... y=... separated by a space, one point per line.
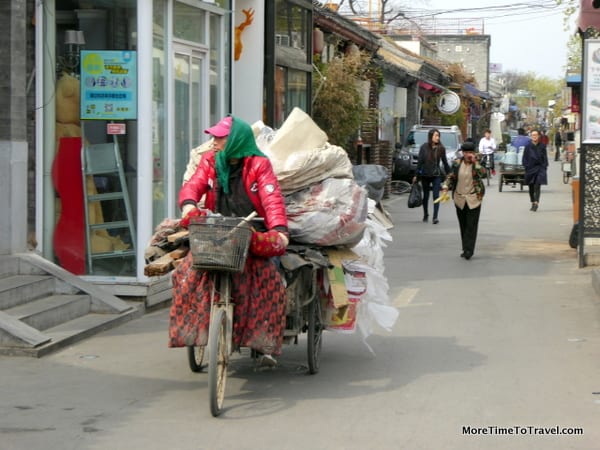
x=259 y=180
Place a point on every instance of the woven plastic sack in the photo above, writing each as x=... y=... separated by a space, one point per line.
x=332 y=212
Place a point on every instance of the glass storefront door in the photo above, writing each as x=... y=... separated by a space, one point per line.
x=190 y=89
x=190 y=104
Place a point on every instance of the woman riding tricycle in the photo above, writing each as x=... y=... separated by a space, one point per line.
x=235 y=179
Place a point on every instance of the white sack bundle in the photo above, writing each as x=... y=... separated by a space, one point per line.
x=332 y=212
x=305 y=168
x=299 y=132
x=301 y=155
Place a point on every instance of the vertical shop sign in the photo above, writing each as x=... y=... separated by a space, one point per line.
x=591 y=92
x=108 y=84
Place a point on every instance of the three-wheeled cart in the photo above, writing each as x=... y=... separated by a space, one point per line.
x=220 y=246
x=511 y=174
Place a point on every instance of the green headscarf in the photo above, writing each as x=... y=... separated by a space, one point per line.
x=240 y=143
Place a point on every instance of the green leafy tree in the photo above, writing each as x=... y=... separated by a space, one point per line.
x=338 y=100
x=574 y=54
x=574 y=45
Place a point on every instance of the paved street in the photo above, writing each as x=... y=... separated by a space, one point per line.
x=505 y=346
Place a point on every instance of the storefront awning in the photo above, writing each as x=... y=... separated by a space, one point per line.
x=476 y=92
x=428 y=86
x=574 y=80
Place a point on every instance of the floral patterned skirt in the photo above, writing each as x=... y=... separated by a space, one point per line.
x=259 y=312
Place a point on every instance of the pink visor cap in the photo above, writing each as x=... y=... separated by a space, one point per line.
x=221 y=129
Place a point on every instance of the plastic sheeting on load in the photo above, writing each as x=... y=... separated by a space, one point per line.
x=301 y=155
x=373 y=177
x=332 y=212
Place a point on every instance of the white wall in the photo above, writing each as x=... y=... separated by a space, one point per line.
x=393 y=105
x=247 y=86
x=386 y=106
x=13 y=184
x=413 y=46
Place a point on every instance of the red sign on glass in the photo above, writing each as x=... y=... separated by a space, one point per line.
x=115 y=128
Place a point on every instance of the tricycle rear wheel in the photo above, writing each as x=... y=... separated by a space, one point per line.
x=315 y=333
x=195 y=357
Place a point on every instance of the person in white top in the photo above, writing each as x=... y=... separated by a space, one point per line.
x=487 y=146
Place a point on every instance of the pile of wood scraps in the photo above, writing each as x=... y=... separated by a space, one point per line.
x=169 y=244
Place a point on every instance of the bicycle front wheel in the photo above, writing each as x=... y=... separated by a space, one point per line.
x=399 y=187
x=218 y=359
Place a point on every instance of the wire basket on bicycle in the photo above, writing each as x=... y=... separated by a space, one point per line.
x=219 y=243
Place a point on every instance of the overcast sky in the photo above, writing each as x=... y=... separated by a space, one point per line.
x=526 y=36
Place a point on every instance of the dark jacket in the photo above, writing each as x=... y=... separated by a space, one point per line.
x=428 y=163
x=535 y=161
x=557 y=138
x=478 y=173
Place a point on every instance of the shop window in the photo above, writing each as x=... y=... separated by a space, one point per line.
x=291 y=25
x=290 y=91
x=98 y=26
x=159 y=137
x=189 y=23
x=292 y=37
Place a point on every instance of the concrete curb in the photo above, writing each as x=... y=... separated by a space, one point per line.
x=596 y=282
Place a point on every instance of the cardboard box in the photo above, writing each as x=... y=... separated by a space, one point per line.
x=343 y=318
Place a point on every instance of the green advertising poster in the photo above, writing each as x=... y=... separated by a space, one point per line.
x=108 y=85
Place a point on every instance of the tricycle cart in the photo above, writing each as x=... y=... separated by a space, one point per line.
x=220 y=245
x=511 y=174
x=304 y=271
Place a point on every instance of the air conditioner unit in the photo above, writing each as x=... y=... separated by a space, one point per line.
x=282 y=40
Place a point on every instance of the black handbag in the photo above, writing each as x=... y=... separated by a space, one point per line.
x=415 y=197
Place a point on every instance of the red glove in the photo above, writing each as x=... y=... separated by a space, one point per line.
x=196 y=212
x=268 y=244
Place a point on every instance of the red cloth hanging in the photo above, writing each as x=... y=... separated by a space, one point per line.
x=69 y=234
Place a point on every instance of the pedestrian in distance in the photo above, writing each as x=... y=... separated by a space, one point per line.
x=487 y=147
x=465 y=180
x=432 y=167
x=557 y=145
x=521 y=140
x=535 y=161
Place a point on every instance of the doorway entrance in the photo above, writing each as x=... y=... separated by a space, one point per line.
x=191 y=105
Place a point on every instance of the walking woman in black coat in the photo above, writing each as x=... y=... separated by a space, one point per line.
x=432 y=167
x=535 y=161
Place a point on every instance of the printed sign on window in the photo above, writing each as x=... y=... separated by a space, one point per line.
x=108 y=84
